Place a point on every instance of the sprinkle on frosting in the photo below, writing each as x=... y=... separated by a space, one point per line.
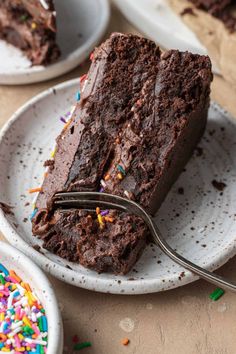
x=33 y=214
x=83 y=78
x=103 y=184
x=104 y=212
x=62 y=119
x=44 y=4
x=100 y=221
x=85 y=83
x=126 y=193
x=35 y=190
x=23 y=323
x=119 y=176
x=53 y=153
x=121 y=169
x=33 y=25
x=109 y=219
x=78 y=96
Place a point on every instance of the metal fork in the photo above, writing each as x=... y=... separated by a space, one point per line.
x=88 y=200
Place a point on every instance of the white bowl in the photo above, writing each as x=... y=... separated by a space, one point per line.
x=11 y=258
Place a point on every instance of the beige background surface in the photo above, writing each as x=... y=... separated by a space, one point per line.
x=182 y=321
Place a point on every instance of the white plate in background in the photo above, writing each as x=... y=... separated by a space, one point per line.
x=200 y=224
x=158 y=21
x=81 y=24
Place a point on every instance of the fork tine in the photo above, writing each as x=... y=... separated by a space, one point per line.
x=95 y=199
x=85 y=204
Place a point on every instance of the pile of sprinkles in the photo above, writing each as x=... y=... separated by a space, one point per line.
x=23 y=323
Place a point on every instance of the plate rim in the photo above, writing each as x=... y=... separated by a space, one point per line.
x=121 y=4
x=59 y=271
x=43 y=73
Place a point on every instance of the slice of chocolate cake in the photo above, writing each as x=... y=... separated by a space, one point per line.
x=31 y=26
x=140 y=115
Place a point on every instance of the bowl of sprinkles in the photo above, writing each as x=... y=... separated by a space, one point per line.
x=30 y=320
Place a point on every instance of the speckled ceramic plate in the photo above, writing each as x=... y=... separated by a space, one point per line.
x=197 y=219
x=158 y=21
x=81 y=24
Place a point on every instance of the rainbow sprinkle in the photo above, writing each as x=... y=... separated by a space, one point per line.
x=23 y=323
x=33 y=214
x=119 y=176
x=121 y=169
x=83 y=78
x=79 y=346
x=53 y=153
x=62 y=119
x=104 y=212
x=35 y=190
x=77 y=96
x=216 y=294
x=66 y=117
x=33 y=25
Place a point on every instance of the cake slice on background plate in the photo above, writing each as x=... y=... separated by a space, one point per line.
x=30 y=25
x=214 y=23
x=140 y=115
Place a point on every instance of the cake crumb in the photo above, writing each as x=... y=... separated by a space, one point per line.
x=6 y=208
x=181 y=191
x=220 y=186
x=37 y=248
x=188 y=11
x=49 y=164
x=199 y=151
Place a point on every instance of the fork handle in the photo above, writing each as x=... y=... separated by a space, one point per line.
x=203 y=273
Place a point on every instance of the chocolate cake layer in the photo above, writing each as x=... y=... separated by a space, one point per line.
x=140 y=116
x=31 y=26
